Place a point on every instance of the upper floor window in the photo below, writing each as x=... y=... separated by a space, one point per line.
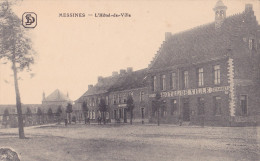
x=93 y=101
x=163 y=82
x=216 y=74
x=200 y=77
x=142 y=96
x=185 y=79
x=106 y=100
x=114 y=99
x=119 y=98
x=173 y=81
x=125 y=98
x=153 y=83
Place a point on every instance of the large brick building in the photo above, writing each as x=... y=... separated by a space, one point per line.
x=210 y=73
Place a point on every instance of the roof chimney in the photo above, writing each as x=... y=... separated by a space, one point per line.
x=90 y=86
x=129 y=69
x=122 y=71
x=114 y=73
x=168 y=35
x=248 y=7
x=100 y=78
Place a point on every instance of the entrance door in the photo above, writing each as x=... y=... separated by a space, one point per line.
x=186 y=110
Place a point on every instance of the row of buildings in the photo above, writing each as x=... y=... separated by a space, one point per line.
x=208 y=74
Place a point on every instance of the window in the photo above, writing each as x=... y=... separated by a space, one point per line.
x=106 y=100
x=217 y=105
x=216 y=74
x=243 y=104
x=98 y=101
x=201 y=106
x=114 y=99
x=251 y=44
x=174 y=106
x=90 y=116
x=120 y=113
x=185 y=79
x=119 y=98
x=153 y=83
x=107 y=115
x=93 y=114
x=125 y=98
x=141 y=95
x=93 y=102
x=173 y=81
x=115 y=114
x=200 y=77
x=163 y=82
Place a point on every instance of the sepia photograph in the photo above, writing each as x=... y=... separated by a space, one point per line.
x=129 y=80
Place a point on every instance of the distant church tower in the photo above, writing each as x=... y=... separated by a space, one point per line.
x=220 y=13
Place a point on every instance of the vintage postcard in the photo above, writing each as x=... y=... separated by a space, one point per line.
x=129 y=80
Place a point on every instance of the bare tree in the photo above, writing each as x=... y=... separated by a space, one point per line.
x=85 y=110
x=15 y=48
x=130 y=107
x=69 y=111
x=103 y=109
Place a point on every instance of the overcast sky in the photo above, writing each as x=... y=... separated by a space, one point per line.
x=73 y=52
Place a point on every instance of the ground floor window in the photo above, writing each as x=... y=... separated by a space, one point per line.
x=90 y=114
x=243 y=104
x=120 y=113
x=107 y=115
x=217 y=105
x=201 y=106
x=93 y=115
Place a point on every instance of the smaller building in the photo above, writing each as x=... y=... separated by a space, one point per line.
x=134 y=84
x=114 y=90
x=55 y=100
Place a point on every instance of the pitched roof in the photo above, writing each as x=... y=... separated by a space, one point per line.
x=57 y=95
x=125 y=81
x=136 y=79
x=101 y=87
x=203 y=42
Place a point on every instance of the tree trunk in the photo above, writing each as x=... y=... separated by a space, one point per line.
x=18 y=103
x=131 y=113
x=85 y=117
x=104 y=118
x=69 y=119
